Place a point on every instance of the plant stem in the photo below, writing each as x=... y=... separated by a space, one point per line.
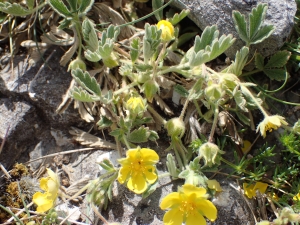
x=123 y=89
x=155 y=114
x=245 y=89
x=214 y=125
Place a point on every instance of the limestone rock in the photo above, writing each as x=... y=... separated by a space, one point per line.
x=280 y=13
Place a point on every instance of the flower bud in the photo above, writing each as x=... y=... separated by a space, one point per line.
x=136 y=105
x=111 y=61
x=77 y=63
x=167 y=30
x=175 y=127
x=209 y=153
x=213 y=92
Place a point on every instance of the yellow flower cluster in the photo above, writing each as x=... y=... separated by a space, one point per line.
x=188 y=206
x=50 y=185
x=138 y=169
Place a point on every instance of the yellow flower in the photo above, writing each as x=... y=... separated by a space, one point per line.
x=270 y=123
x=136 y=105
x=213 y=184
x=138 y=169
x=250 y=189
x=188 y=206
x=50 y=185
x=167 y=30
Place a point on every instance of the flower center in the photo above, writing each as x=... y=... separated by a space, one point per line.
x=188 y=208
x=137 y=165
x=271 y=126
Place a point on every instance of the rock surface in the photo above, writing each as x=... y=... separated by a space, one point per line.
x=280 y=13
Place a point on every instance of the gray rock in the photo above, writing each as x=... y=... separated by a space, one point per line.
x=280 y=13
x=20 y=118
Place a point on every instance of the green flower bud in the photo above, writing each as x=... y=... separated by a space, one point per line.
x=175 y=127
x=213 y=92
x=209 y=153
x=77 y=63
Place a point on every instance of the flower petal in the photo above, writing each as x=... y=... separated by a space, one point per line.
x=249 y=190
x=214 y=184
x=170 y=200
x=123 y=174
x=150 y=174
x=262 y=187
x=207 y=208
x=44 y=183
x=173 y=217
x=132 y=153
x=43 y=202
x=189 y=189
x=137 y=183
x=149 y=155
x=197 y=218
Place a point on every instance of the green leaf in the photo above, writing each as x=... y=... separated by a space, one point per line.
x=220 y=46
x=278 y=60
x=275 y=74
x=240 y=61
x=178 y=17
x=150 y=88
x=239 y=99
x=199 y=58
x=263 y=34
x=85 y=6
x=243 y=118
x=256 y=19
x=139 y=135
x=135 y=49
x=92 y=56
x=73 y=5
x=117 y=133
x=150 y=189
x=182 y=39
x=156 y=4
x=64 y=23
x=30 y=4
x=104 y=122
x=207 y=37
x=240 y=25
x=81 y=95
x=181 y=90
x=86 y=81
x=14 y=9
x=89 y=34
x=259 y=61
x=60 y=8
x=153 y=135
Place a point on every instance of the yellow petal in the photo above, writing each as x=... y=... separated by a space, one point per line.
x=170 y=200
x=123 y=174
x=197 y=218
x=189 y=189
x=207 y=208
x=52 y=188
x=213 y=184
x=53 y=175
x=44 y=183
x=249 y=190
x=132 y=153
x=247 y=146
x=150 y=174
x=137 y=183
x=149 y=155
x=42 y=201
x=262 y=187
x=173 y=217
